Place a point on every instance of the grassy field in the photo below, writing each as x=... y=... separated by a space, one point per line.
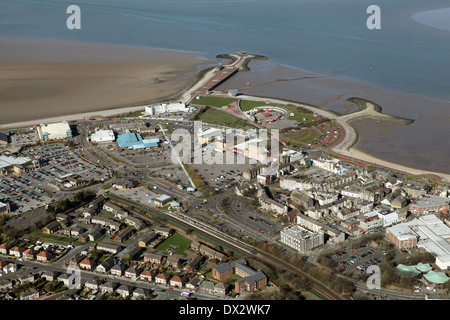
x=182 y=243
x=216 y=102
x=298 y=116
x=219 y=117
x=247 y=105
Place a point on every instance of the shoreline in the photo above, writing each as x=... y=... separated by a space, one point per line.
x=347 y=147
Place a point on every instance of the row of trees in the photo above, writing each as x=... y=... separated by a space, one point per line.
x=71 y=203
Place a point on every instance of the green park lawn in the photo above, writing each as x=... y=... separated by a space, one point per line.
x=182 y=243
x=247 y=105
x=222 y=118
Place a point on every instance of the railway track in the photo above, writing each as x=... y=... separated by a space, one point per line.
x=238 y=246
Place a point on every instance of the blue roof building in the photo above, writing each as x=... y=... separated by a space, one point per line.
x=135 y=141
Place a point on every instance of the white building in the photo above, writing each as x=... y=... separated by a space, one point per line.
x=301 y=239
x=54 y=131
x=168 y=107
x=330 y=165
x=389 y=217
x=208 y=135
x=292 y=184
x=427 y=232
x=103 y=136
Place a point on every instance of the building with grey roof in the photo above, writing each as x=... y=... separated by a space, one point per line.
x=301 y=239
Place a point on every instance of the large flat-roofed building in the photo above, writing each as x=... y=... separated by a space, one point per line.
x=4 y=208
x=103 y=136
x=162 y=200
x=135 y=141
x=429 y=204
x=167 y=107
x=301 y=239
x=207 y=136
x=427 y=232
x=12 y=164
x=54 y=131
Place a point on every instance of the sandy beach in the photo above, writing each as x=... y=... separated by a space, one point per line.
x=44 y=78
x=356 y=153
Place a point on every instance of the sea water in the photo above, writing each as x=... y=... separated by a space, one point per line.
x=325 y=36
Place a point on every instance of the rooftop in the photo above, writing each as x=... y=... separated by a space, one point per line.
x=436 y=277
x=135 y=141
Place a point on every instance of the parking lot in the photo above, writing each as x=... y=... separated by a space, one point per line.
x=240 y=210
x=150 y=157
x=354 y=261
x=37 y=188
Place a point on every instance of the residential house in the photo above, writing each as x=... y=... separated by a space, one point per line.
x=173 y=261
x=28 y=254
x=50 y=275
x=193 y=284
x=221 y=289
x=10 y=268
x=135 y=222
x=4 y=248
x=140 y=293
x=194 y=264
x=207 y=287
x=117 y=270
x=52 y=227
x=29 y=294
x=116 y=210
x=44 y=256
x=222 y=271
x=87 y=264
x=195 y=245
x=212 y=254
x=162 y=278
x=26 y=278
x=134 y=253
x=106 y=265
x=76 y=231
x=108 y=287
x=147 y=240
x=93 y=284
x=125 y=290
x=5 y=285
x=16 y=251
x=164 y=231
x=132 y=273
x=75 y=261
x=108 y=247
x=94 y=234
x=147 y=275
x=124 y=235
x=106 y=222
x=64 y=278
x=177 y=281
x=153 y=258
